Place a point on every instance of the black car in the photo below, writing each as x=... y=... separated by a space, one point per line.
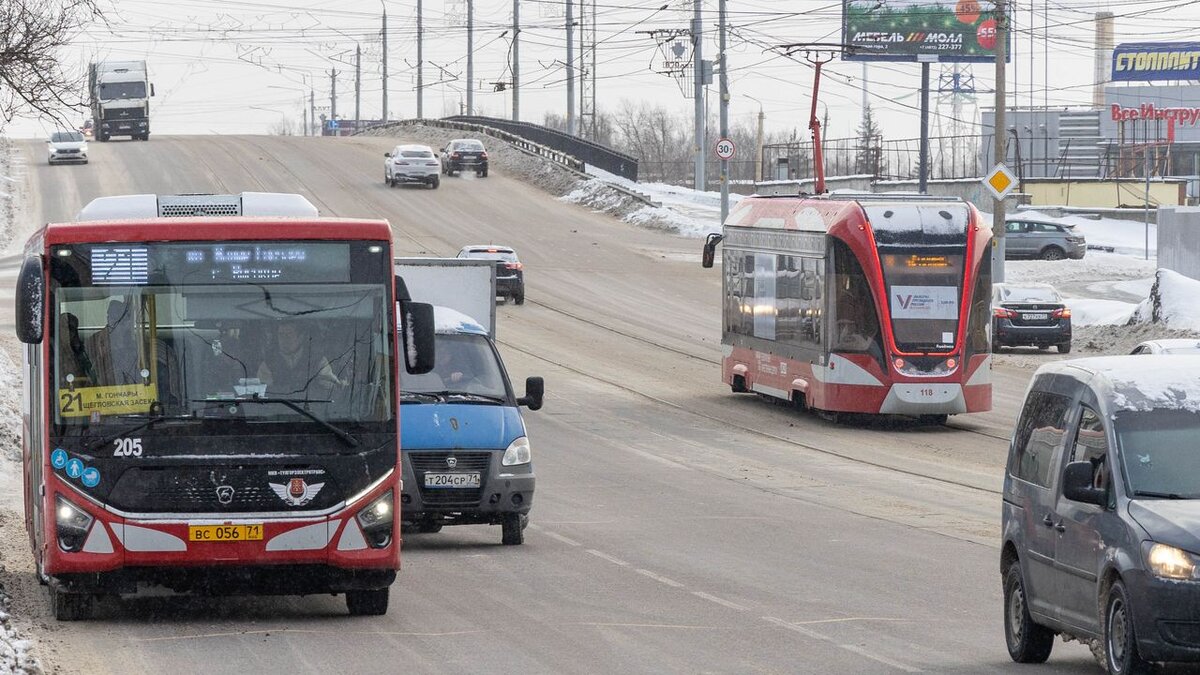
x=510 y=273
x=1101 y=512
x=463 y=154
x=1026 y=314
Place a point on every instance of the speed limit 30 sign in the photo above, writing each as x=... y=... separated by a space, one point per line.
x=725 y=148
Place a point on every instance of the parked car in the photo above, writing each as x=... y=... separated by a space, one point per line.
x=462 y=154
x=1028 y=314
x=510 y=273
x=1100 y=504
x=66 y=146
x=411 y=164
x=1175 y=346
x=1030 y=238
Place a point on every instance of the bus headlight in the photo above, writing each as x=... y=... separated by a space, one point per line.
x=517 y=452
x=73 y=524
x=376 y=520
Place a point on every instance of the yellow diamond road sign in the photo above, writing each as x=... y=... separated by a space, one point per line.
x=1000 y=181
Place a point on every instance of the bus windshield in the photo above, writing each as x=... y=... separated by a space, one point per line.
x=199 y=350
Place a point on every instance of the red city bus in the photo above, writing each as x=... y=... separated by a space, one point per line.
x=863 y=304
x=210 y=400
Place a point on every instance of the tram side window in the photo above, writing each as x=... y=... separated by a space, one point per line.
x=979 y=324
x=855 y=322
x=787 y=298
x=739 y=293
x=799 y=300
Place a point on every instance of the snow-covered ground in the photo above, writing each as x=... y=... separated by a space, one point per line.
x=1130 y=237
x=687 y=211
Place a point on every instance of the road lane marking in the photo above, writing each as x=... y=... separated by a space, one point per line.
x=566 y=540
x=306 y=632
x=604 y=556
x=845 y=619
x=659 y=578
x=650 y=625
x=854 y=649
x=720 y=601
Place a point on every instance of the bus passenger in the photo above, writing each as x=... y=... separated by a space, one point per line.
x=73 y=358
x=295 y=365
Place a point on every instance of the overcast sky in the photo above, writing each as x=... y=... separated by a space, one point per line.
x=234 y=66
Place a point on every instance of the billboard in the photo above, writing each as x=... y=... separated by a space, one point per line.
x=1156 y=61
x=903 y=30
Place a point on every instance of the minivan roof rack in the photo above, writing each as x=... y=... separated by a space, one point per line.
x=253 y=204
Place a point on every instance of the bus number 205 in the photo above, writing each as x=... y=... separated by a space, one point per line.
x=127 y=447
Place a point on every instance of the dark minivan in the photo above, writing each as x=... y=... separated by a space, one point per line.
x=1101 y=512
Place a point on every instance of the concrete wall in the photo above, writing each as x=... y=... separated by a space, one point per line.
x=1179 y=239
x=1110 y=193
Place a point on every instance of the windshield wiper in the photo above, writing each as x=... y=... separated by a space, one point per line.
x=419 y=396
x=294 y=404
x=149 y=422
x=1161 y=495
x=471 y=397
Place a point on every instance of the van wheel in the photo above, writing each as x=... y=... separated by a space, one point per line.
x=1120 y=643
x=71 y=606
x=1027 y=641
x=373 y=602
x=1053 y=253
x=1064 y=348
x=512 y=529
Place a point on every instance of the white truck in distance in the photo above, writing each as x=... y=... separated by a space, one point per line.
x=119 y=93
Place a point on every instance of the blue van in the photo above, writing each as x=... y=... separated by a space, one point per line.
x=466 y=455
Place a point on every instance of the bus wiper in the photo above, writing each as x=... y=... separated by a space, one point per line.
x=149 y=422
x=1160 y=495
x=294 y=404
x=421 y=396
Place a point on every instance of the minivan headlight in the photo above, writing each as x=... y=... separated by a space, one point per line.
x=517 y=452
x=1169 y=562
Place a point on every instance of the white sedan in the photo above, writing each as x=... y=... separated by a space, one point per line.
x=1171 y=346
x=412 y=164
x=66 y=146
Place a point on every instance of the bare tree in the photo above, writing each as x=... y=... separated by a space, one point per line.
x=32 y=36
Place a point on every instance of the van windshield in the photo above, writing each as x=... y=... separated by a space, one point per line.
x=466 y=365
x=1159 y=453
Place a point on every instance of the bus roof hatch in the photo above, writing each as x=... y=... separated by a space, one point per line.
x=181 y=206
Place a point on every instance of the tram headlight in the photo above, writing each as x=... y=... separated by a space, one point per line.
x=73 y=524
x=376 y=520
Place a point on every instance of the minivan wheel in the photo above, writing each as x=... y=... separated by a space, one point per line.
x=1120 y=642
x=1027 y=641
x=1053 y=253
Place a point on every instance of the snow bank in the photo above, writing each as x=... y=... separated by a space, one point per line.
x=1098 y=312
x=1172 y=302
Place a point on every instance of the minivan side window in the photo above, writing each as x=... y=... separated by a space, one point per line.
x=1039 y=431
x=1091 y=445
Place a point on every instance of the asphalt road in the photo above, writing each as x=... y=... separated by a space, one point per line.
x=676 y=527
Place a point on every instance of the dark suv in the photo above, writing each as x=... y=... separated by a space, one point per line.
x=462 y=154
x=1026 y=314
x=510 y=273
x=1101 y=507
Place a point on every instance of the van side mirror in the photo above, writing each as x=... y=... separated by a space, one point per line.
x=535 y=390
x=30 y=303
x=151 y=88
x=416 y=336
x=1078 y=484
x=710 y=249
x=401 y=289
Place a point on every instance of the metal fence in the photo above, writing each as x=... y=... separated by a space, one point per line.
x=597 y=155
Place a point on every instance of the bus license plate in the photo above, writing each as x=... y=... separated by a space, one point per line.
x=451 y=480
x=223 y=533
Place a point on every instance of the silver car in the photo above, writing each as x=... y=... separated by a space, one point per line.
x=412 y=164
x=1032 y=238
x=66 y=146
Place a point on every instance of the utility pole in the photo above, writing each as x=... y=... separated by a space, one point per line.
x=420 y=64
x=923 y=174
x=758 y=155
x=724 y=110
x=332 y=94
x=595 y=112
x=571 y=67
x=516 y=61
x=470 y=57
x=698 y=148
x=1001 y=135
x=385 y=67
x=312 y=109
x=357 y=88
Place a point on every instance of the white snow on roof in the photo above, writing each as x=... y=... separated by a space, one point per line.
x=1142 y=382
x=446 y=320
x=946 y=218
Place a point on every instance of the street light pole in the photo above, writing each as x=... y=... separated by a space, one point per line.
x=758 y=152
x=384 y=119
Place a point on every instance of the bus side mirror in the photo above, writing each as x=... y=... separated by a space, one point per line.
x=416 y=336
x=30 y=303
x=535 y=390
x=710 y=249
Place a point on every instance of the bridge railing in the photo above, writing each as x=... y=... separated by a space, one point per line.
x=595 y=154
x=513 y=139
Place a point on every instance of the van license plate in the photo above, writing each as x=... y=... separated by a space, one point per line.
x=223 y=533
x=1037 y=317
x=452 y=480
